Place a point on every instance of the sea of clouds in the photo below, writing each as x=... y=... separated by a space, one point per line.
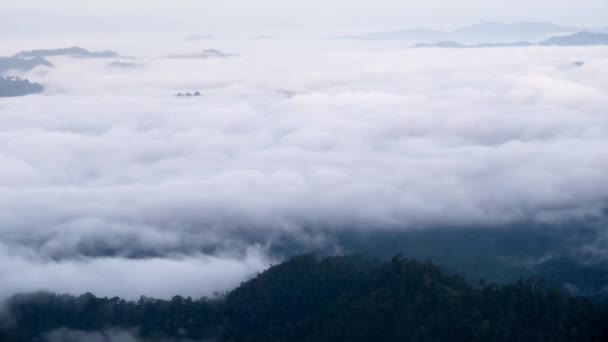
x=111 y=184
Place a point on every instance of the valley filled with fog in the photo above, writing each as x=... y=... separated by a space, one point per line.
x=295 y=146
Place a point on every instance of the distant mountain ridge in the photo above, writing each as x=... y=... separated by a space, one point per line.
x=577 y=39
x=21 y=64
x=71 y=51
x=475 y=34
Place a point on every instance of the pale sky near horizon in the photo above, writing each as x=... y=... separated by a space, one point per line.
x=273 y=16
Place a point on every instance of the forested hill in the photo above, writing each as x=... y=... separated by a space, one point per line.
x=15 y=86
x=330 y=299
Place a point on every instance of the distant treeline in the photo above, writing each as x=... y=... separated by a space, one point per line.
x=16 y=86
x=330 y=299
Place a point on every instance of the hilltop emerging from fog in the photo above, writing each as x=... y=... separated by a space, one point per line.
x=206 y=54
x=15 y=86
x=11 y=85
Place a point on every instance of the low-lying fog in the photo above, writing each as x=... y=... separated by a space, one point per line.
x=111 y=183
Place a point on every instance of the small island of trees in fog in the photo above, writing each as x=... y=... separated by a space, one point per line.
x=11 y=86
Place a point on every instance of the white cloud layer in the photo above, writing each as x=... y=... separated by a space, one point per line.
x=285 y=138
x=196 y=275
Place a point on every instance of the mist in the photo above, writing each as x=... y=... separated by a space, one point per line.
x=109 y=178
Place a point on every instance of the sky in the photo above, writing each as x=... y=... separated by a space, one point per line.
x=279 y=16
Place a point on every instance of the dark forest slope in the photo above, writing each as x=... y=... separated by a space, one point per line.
x=330 y=299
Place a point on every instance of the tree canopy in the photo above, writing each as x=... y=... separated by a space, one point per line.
x=329 y=299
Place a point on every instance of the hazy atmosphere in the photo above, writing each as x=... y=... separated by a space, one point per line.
x=164 y=148
x=276 y=16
